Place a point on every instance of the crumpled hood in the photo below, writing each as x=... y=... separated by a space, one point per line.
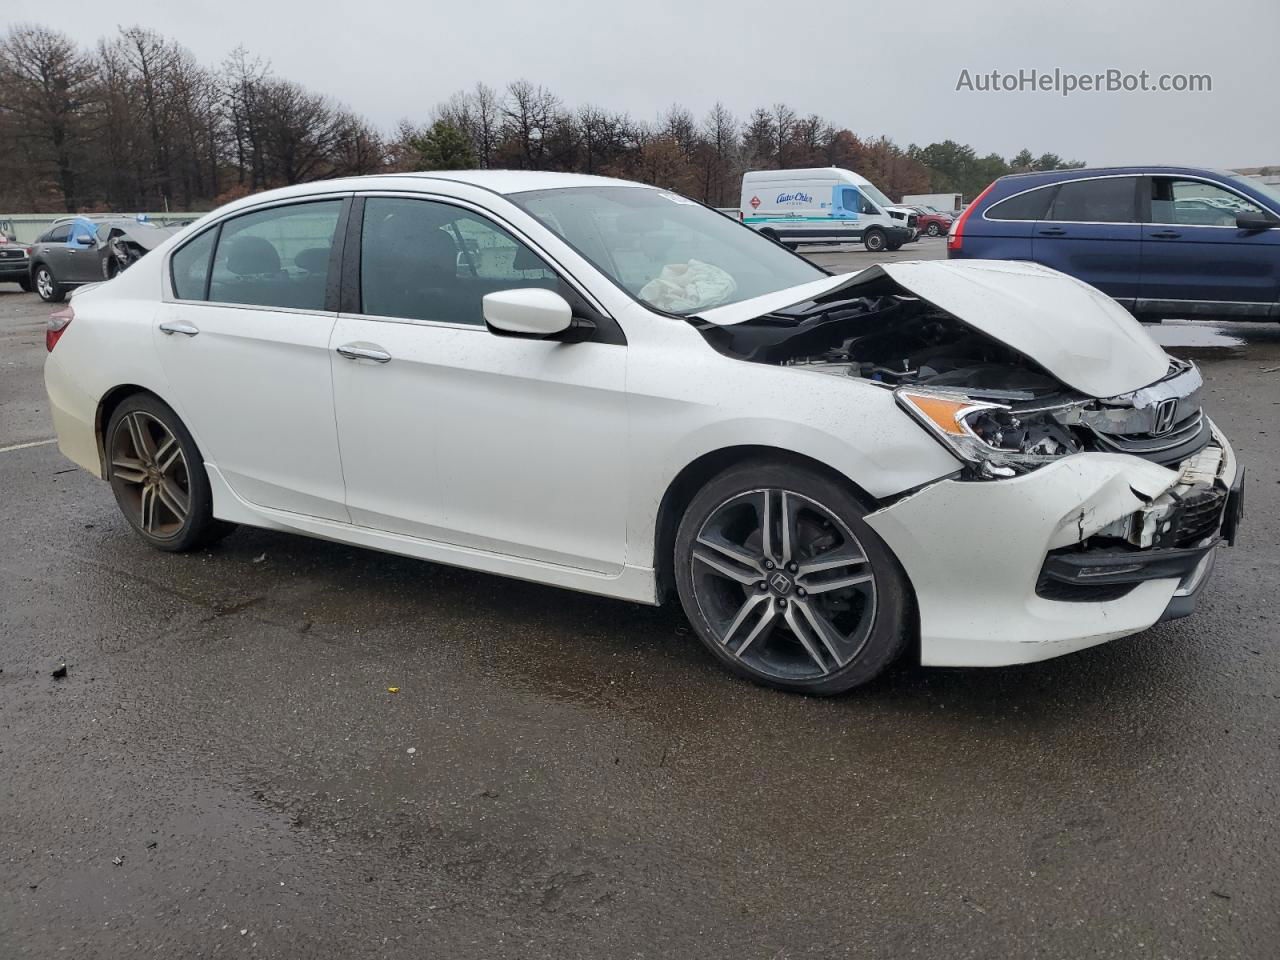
x=147 y=237
x=1078 y=334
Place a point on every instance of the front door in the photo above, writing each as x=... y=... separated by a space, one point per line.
x=1197 y=262
x=450 y=433
x=246 y=351
x=1091 y=232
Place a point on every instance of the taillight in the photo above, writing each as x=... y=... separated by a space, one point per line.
x=57 y=326
x=955 y=236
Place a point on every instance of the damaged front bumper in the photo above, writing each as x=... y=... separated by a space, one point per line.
x=1090 y=548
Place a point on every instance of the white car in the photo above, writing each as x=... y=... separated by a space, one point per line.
x=605 y=386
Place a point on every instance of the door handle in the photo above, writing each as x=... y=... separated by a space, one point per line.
x=1052 y=232
x=1165 y=235
x=171 y=327
x=361 y=351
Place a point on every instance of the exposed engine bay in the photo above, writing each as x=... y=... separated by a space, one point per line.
x=1014 y=406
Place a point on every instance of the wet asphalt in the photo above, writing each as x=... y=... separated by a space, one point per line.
x=224 y=772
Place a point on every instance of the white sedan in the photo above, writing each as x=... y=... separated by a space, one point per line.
x=604 y=386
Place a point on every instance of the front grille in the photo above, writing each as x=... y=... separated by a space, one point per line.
x=1148 y=444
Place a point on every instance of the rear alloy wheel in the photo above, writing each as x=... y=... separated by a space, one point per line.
x=874 y=240
x=49 y=290
x=933 y=230
x=158 y=476
x=786 y=583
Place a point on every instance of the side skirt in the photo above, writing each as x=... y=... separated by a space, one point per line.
x=638 y=584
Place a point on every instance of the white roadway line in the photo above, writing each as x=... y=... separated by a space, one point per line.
x=24 y=446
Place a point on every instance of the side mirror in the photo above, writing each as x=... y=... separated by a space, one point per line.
x=82 y=240
x=1256 y=221
x=531 y=312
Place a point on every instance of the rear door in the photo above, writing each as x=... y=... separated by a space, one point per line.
x=1091 y=232
x=53 y=250
x=245 y=346
x=1197 y=262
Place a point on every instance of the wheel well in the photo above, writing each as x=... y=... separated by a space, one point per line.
x=694 y=477
x=107 y=406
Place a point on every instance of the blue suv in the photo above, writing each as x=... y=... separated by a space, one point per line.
x=1163 y=241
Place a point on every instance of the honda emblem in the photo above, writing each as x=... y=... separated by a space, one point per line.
x=1166 y=411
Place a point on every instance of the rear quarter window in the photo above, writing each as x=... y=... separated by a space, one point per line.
x=1030 y=205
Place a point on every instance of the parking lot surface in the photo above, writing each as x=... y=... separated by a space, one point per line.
x=224 y=770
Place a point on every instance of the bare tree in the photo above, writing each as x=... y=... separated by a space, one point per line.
x=48 y=90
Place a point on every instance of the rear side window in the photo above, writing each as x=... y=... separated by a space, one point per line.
x=1024 y=206
x=423 y=260
x=1109 y=200
x=277 y=257
x=190 y=267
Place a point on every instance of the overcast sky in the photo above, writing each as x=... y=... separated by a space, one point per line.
x=888 y=68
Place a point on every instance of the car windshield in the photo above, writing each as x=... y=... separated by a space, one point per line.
x=673 y=254
x=870 y=190
x=1266 y=189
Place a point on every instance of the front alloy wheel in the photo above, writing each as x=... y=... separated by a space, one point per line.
x=783 y=588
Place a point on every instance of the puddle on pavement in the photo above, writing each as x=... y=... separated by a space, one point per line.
x=1217 y=340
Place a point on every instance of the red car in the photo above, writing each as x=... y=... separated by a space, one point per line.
x=933 y=223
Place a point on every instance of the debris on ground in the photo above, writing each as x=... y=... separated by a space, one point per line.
x=60 y=670
x=411 y=751
x=118 y=861
x=393 y=689
x=260 y=558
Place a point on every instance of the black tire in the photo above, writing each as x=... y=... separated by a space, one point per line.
x=775 y=655
x=875 y=240
x=197 y=527
x=25 y=284
x=791 y=245
x=894 y=246
x=933 y=230
x=771 y=234
x=47 y=287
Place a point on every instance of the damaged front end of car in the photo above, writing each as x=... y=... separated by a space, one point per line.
x=1014 y=368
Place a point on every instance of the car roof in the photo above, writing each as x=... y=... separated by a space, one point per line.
x=1050 y=175
x=502 y=182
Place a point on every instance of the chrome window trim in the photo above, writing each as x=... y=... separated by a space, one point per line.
x=486 y=212
x=1112 y=223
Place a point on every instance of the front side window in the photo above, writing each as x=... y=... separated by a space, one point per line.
x=1194 y=203
x=58 y=234
x=665 y=250
x=424 y=260
x=277 y=257
x=82 y=233
x=865 y=205
x=1107 y=200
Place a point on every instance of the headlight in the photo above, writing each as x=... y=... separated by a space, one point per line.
x=996 y=440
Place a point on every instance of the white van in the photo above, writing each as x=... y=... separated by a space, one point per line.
x=823 y=205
